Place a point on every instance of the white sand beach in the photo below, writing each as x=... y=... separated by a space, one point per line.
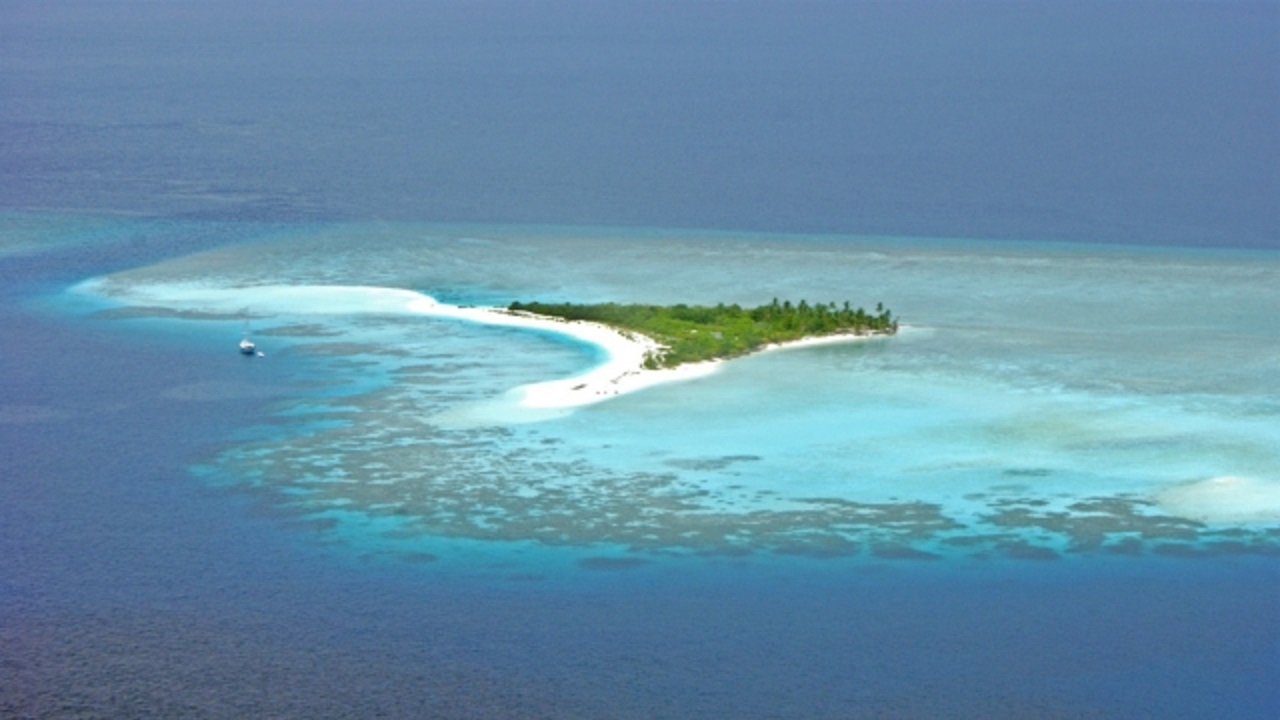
x=621 y=373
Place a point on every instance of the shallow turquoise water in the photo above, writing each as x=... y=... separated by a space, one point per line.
x=1042 y=399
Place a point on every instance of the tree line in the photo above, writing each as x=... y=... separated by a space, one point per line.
x=691 y=333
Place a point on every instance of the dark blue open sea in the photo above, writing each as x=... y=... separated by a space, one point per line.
x=1055 y=494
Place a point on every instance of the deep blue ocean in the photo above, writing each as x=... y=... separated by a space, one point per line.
x=1073 y=204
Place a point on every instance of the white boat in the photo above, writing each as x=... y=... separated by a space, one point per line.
x=247 y=347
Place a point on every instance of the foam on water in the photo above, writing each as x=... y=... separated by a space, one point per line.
x=1042 y=399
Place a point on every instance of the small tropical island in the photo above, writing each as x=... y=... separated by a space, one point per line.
x=684 y=334
x=646 y=345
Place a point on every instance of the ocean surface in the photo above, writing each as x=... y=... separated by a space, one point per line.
x=1055 y=493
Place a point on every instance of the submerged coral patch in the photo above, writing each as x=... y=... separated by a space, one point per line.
x=612 y=563
x=712 y=463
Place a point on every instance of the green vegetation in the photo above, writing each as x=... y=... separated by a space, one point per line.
x=691 y=333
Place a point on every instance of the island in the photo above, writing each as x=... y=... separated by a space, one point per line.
x=698 y=333
x=640 y=345
x=643 y=345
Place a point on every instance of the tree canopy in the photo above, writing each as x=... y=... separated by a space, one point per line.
x=691 y=333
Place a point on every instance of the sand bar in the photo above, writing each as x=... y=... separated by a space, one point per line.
x=622 y=371
x=1231 y=499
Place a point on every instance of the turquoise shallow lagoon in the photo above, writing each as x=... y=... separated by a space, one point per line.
x=1040 y=401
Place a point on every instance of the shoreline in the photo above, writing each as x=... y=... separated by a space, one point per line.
x=622 y=372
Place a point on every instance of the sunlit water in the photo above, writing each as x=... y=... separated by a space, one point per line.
x=1079 y=442
x=1052 y=495
x=1040 y=400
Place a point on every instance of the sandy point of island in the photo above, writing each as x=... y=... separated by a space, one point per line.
x=622 y=372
